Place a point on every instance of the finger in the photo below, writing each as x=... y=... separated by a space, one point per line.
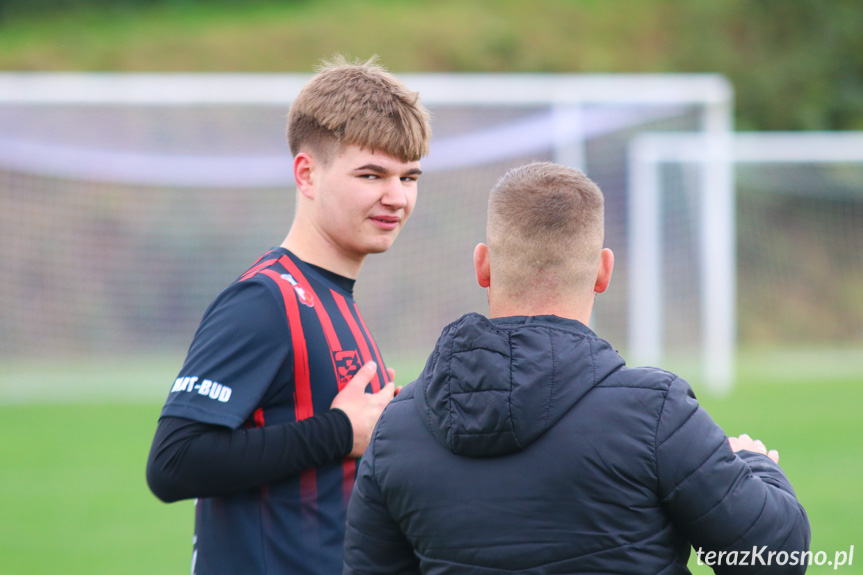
x=745 y=437
x=364 y=375
x=759 y=446
x=774 y=455
x=734 y=443
x=391 y=374
x=388 y=391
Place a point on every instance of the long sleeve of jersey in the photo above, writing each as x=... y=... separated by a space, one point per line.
x=192 y=459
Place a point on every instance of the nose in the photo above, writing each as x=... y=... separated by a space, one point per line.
x=394 y=194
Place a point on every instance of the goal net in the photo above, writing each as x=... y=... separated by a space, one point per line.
x=127 y=202
x=798 y=265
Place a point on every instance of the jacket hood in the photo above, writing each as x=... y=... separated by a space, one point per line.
x=492 y=387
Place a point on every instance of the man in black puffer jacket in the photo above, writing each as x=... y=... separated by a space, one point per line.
x=527 y=445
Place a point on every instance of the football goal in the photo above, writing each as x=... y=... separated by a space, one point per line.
x=128 y=201
x=793 y=280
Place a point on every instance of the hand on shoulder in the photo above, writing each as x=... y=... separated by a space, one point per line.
x=744 y=442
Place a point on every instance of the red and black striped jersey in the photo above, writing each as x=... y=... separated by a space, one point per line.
x=276 y=346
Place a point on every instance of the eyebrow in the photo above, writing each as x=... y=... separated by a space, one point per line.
x=382 y=170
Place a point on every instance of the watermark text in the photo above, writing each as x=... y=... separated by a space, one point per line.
x=762 y=556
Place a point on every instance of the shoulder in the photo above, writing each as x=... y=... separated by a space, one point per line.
x=255 y=289
x=397 y=415
x=253 y=305
x=660 y=395
x=406 y=392
x=651 y=386
x=647 y=378
x=400 y=407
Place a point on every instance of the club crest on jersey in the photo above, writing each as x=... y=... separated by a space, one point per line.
x=305 y=297
x=347 y=364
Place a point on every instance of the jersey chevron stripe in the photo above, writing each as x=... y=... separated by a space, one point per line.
x=349 y=466
x=327 y=324
x=257 y=267
x=257 y=261
x=358 y=335
x=374 y=345
x=302 y=393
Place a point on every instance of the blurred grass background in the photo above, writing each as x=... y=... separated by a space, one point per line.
x=72 y=493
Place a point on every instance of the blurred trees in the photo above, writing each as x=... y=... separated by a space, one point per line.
x=795 y=65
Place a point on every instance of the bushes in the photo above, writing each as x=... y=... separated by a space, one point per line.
x=795 y=65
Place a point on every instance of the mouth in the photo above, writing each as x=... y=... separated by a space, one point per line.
x=386 y=222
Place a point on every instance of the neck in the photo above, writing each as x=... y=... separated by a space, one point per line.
x=572 y=307
x=315 y=249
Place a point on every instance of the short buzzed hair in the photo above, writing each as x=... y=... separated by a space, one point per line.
x=545 y=229
x=358 y=104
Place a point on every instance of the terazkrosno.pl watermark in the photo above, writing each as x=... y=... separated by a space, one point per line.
x=758 y=556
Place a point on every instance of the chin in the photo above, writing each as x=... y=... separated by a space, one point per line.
x=381 y=243
x=379 y=247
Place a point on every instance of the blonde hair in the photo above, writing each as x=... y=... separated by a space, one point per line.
x=545 y=229
x=358 y=104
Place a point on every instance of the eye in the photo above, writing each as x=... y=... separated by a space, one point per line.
x=368 y=176
x=409 y=178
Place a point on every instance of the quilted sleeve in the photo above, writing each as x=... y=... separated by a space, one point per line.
x=738 y=505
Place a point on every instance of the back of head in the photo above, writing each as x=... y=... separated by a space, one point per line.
x=358 y=104
x=545 y=231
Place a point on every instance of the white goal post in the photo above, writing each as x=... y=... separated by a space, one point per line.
x=717 y=155
x=567 y=95
x=192 y=141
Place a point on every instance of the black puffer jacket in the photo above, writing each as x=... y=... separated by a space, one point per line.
x=526 y=445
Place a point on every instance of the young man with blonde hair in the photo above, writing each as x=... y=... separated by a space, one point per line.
x=283 y=382
x=527 y=446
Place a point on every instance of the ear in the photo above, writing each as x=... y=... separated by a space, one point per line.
x=304 y=168
x=481 y=265
x=603 y=275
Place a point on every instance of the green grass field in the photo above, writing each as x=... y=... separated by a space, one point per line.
x=73 y=498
